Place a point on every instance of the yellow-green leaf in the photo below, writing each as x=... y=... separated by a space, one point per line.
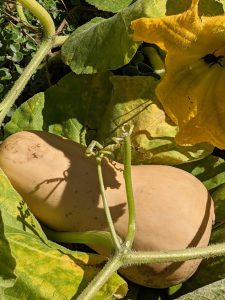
x=44 y=270
x=133 y=101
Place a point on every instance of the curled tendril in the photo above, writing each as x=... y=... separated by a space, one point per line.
x=99 y=151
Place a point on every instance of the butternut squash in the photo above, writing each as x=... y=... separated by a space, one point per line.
x=60 y=185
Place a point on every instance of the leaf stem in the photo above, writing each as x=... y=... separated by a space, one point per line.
x=21 y=13
x=129 y=191
x=102 y=238
x=60 y=40
x=100 y=279
x=136 y=258
x=115 y=239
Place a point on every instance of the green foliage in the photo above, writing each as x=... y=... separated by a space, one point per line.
x=133 y=101
x=44 y=270
x=19 y=41
x=110 y=5
x=211 y=172
x=86 y=97
x=32 y=116
x=15 y=51
x=106 y=44
x=85 y=107
x=214 y=291
x=7 y=275
x=96 y=106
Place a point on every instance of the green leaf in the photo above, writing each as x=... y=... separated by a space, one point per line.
x=106 y=44
x=7 y=275
x=14 y=47
x=95 y=106
x=87 y=108
x=214 y=291
x=44 y=269
x=219 y=200
x=5 y=74
x=78 y=101
x=110 y=5
x=133 y=101
x=27 y=117
x=211 y=171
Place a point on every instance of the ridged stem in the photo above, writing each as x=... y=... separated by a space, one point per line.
x=115 y=239
x=136 y=258
x=46 y=45
x=100 y=279
x=129 y=191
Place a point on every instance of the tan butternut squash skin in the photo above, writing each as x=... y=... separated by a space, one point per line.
x=60 y=185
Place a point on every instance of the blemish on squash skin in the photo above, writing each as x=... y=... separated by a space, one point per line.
x=34 y=151
x=11 y=147
x=67 y=215
x=35 y=155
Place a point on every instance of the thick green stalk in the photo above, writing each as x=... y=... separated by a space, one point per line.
x=102 y=238
x=129 y=190
x=21 y=82
x=42 y=15
x=136 y=258
x=106 y=207
x=45 y=47
x=100 y=279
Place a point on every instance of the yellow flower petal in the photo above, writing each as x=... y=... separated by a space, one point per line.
x=180 y=30
x=193 y=89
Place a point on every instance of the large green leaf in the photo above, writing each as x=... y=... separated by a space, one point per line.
x=73 y=108
x=110 y=5
x=77 y=104
x=7 y=275
x=27 y=117
x=211 y=171
x=106 y=44
x=214 y=291
x=133 y=101
x=86 y=107
x=44 y=269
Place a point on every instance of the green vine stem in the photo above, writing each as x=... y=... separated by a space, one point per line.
x=129 y=191
x=21 y=13
x=137 y=258
x=100 y=279
x=59 y=40
x=102 y=238
x=46 y=45
x=42 y=15
x=115 y=239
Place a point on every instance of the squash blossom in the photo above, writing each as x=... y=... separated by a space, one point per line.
x=193 y=89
